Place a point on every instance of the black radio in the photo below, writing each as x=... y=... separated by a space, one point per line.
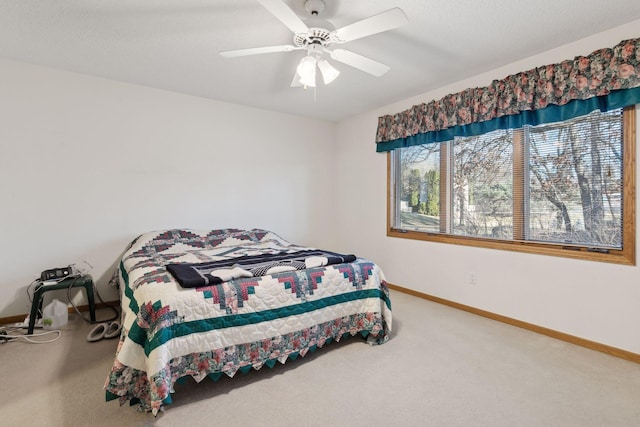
x=56 y=273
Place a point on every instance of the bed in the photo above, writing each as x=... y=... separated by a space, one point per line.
x=207 y=303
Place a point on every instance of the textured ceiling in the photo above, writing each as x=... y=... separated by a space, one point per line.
x=174 y=44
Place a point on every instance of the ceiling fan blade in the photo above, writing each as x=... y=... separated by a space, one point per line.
x=360 y=62
x=258 y=50
x=280 y=10
x=392 y=18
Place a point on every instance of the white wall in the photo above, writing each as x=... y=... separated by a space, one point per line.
x=87 y=164
x=592 y=300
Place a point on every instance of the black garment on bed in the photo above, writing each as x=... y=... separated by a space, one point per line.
x=204 y=274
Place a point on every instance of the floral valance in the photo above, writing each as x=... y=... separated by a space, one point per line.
x=606 y=79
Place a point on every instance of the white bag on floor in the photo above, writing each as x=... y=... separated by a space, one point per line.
x=55 y=315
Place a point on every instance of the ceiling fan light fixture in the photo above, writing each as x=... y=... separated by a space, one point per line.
x=317 y=36
x=307 y=71
x=309 y=80
x=328 y=71
x=296 y=80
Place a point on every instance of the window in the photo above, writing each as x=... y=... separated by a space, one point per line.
x=565 y=189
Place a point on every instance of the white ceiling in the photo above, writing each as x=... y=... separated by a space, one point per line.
x=174 y=44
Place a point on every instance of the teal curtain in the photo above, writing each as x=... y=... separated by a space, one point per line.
x=605 y=80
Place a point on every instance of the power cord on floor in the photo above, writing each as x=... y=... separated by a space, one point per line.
x=8 y=337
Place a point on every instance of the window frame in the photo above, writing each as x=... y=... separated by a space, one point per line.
x=625 y=256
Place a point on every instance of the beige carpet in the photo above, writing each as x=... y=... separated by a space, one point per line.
x=442 y=367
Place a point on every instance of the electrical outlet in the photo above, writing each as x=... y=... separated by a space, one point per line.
x=473 y=278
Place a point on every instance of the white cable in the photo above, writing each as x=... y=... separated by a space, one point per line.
x=40 y=334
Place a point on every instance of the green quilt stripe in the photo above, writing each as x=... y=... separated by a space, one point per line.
x=133 y=305
x=111 y=396
x=187 y=328
x=215 y=376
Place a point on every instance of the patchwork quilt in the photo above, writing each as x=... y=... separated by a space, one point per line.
x=240 y=322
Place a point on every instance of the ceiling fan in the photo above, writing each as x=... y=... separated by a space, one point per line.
x=318 y=38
